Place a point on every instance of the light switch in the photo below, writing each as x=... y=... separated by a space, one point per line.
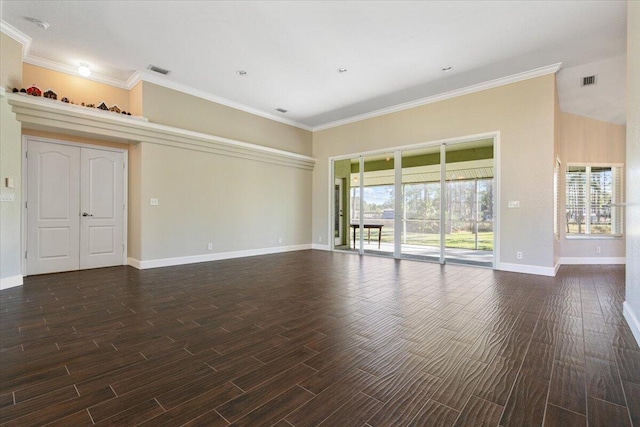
x=154 y=202
x=513 y=204
x=10 y=182
x=7 y=197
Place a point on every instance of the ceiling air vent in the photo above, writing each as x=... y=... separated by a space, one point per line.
x=281 y=110
x=158 y=70
x=589 y=80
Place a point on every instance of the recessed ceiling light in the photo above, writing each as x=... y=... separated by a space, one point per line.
x=281 y=110
x=42 y=24
x=84 y=70
x=241 y=72
x=342 y=70
x=445 y=69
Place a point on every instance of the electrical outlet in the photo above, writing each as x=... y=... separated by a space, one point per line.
x=519 y=255
x=153 y=202
x=210 y=246
x=597 y=249
x=279 y=239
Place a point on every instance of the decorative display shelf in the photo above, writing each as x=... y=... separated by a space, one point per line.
x=46 y=114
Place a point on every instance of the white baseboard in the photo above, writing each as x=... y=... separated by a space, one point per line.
x=632 y=320
x=10 y=282
x=592 y=260
x=166 y=262
x=527 y=269
x=320 y=247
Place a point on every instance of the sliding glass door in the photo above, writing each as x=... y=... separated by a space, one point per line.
x=468 y=226
x=433 y=203
x=421 y=203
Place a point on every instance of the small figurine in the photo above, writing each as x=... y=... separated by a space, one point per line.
x=103 y=106
x=115 y=109
x=91 y=105
x=15 y=90
x=65 y=100
x=23 y=90
x=50 y=94
x=33 y=90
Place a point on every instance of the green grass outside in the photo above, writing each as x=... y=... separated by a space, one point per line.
x=459 y=240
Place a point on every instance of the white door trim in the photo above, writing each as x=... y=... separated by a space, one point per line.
x=125 y=193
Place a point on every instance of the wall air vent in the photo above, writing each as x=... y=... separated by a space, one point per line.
x=281 y=110
x=589 y=80
x=158 y=70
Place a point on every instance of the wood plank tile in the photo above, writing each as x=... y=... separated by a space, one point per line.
x=527 y=402
x=606 y=414
x=435 y=414
x=354 y=413
x=497 y=381
x=456 y=389
x=245 y=403
x=276 y=409
x=603 y=381
x=567 y=389
x=266 y=372
x=329 y=400
x=407 y=402
x=133 y=416
x=63 y=409
x=479 y=413
x=196 y=407
x=632 y=393
x=555 y=416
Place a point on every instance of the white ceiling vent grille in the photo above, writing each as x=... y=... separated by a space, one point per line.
x=589 y=80
x=158 y=70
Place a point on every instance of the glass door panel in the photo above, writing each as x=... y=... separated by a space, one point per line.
x=346 y=201
x=420 y=233
x=378 y=204
x=468 y=225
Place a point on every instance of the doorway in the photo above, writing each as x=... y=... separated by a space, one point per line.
x=75 y=206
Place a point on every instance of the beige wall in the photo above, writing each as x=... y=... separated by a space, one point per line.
x=234 y=203
x=135 y=99
x=585 y=140
x=75 y=88
x=632 y=303
x=10 y=164
x=522 y=112
x=11 y=64
x=134 y=223
x=173 y=108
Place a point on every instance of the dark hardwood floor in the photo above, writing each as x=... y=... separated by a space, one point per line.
x=318 y=338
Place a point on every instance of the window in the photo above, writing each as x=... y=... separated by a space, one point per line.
x=594 y=200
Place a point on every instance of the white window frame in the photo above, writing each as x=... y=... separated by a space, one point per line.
x=619 y=203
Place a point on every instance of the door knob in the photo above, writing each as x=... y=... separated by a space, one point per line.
x=86 y=214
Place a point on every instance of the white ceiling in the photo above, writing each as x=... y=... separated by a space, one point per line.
x=394 y=51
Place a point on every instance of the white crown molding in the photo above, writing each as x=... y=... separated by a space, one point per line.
x=42 y=113
x=71 y=70
x=17 y=35
x=139 y=76
x=167 y=262
x=537 y=72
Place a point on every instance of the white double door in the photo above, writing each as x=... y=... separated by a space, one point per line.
x=75 y=207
